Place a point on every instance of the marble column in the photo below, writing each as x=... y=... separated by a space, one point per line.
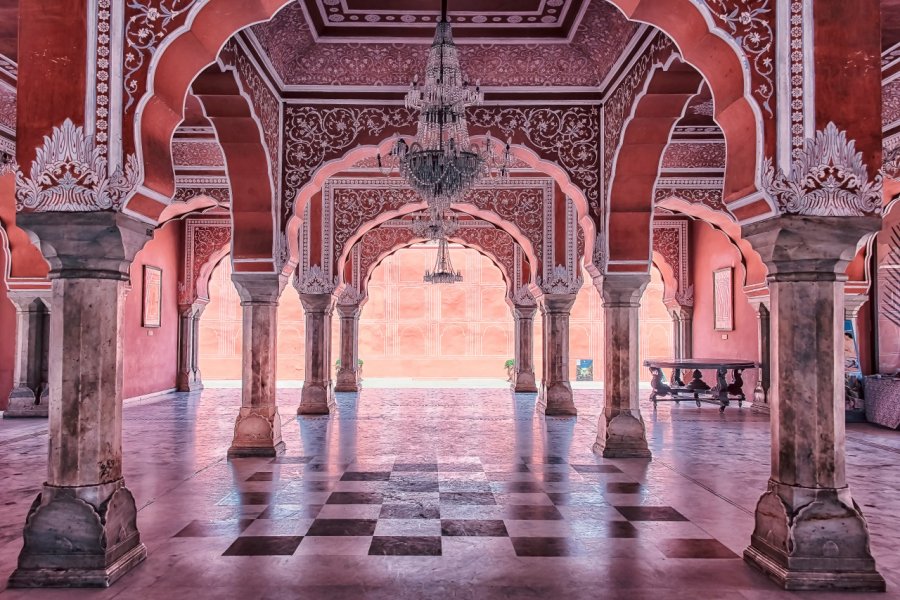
x=763 y=381
x=523 y=378
x=556 y=391
x=621 y=432
x=348 y=374
x=188 y=377
x=82 y=528
x=30 y=394
x=257 y=429
x=317 y=397
x=809 y=533
x=682 y=329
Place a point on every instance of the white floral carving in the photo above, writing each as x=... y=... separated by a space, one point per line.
x=600 y=257
x=561 y=281
x=828 y=179
x=8 y=164
x=69 y=173
x=314 y=281
x=891 y=167
x=685 y=297
x=524 y=297
x=349 y=296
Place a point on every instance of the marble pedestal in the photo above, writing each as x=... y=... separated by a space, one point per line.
x=257 y=428
x=82 y=528
x=620 y=431
x=809 y=533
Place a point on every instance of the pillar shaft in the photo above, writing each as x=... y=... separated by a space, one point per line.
x=556 y=390
x=257 y=429
x=82 y=529
x=317 y=397
x=523 y=378
x=30 y=394
x=188 y=378
x=348 y=374
x=763 y=382
x=809 y=532
x=621 y=432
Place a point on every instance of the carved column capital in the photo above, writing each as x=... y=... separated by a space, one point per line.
x=258 y=288
x=623 y=289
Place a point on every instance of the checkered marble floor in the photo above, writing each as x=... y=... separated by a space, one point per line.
x=448 y=493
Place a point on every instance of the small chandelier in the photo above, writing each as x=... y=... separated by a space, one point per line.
x=441 y=164
x=435 y=225
x=443 y=269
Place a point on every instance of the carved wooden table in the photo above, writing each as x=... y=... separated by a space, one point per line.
x=697 y=389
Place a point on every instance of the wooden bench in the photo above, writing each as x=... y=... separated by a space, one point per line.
x=697 y=389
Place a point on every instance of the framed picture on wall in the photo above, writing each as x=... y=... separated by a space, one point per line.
x=723 y=299
x=152 y=314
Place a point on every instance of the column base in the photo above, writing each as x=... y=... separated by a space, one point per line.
x=812 y=539
x=79 y=537
x=23 y=404
x=189 y=386
x=315 y=399
x=557 y=401
x=257 y=433
x=760 y=407
x=524 y=383
x=347 y=381
x=759 y=401
x=622 y=436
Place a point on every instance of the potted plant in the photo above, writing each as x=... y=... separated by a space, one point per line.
x=359 y=364
x=510 y=366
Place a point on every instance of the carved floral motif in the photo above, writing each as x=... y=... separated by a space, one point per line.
x=69 y=174
x=349 y=296
x=681 y=155
x=828 y=178
x=891 y=167
x=314 y=281
x=750 y=24
x=197 y=153
x=560 y=281
x=600 y=258
x=670 y=241
x=524 y=297
x=219 y=194
x=890 y=103
x=710 y=197
x=203 y=239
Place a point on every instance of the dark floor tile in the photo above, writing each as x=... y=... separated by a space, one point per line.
x=555 y=460
x=310 y=511
x=316 y=486
x=546 y=546
x=467 y=498
x=214 y=528
x=522 y=487
x=409 y=511
x=354 y=527
x=291 y=460
x=531 y=513
x=560 y=498
x=651 y=513
x=281 y=545
x=623 y=487
x=597 y=468
x=473 y=527
x=366 y=476
x=354 y=498
x=262 y=476
x=456 y=485
x=681 y=548
x=550 y=477
x=420 y=467
x=411 y=485
x=405 y=546
x=256 y=497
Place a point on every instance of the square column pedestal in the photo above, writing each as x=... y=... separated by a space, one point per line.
x=809 y=533
x=621 y=432
x=257 y=429
x=82 y=528
x=556 y=390
x=30 y=395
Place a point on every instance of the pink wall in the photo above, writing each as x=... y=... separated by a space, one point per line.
x=711 y=250
x=151 y=353
x=7 y=332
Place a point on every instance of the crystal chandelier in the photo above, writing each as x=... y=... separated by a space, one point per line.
x=443 y=269
x=435 y=225
x=441 y=164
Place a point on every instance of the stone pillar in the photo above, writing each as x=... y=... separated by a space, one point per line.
x=682 y=329
x=257 y=429
x=30 y=394
x=621 y=432
x=317 y=397
x=348 y=373
x=763 y=381
x=809 y=533
x=556 y=391
x=82 y=528
x=188 y=377
x=523 y=378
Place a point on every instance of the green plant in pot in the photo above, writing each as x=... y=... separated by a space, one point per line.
x=510 y=366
